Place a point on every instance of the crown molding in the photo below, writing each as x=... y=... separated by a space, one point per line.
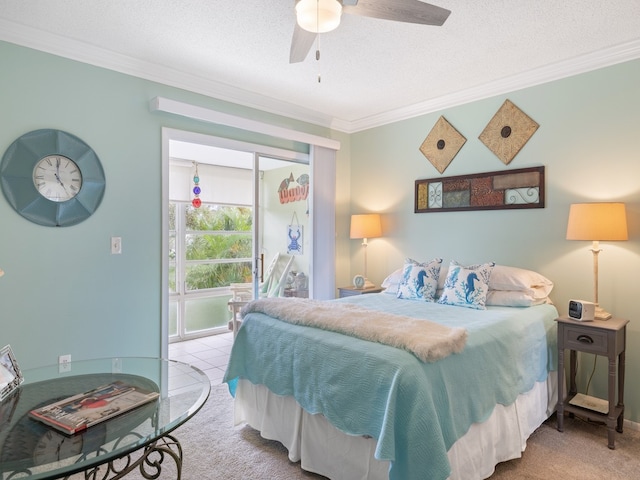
x=74 y=50
x=603 y=58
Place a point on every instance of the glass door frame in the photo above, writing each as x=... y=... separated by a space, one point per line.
x=258 y=151
x=257 y=247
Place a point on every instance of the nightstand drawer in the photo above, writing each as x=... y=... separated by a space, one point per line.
x=587 y=340
x=347 y=292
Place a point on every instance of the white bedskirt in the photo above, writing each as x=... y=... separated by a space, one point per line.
x=323 y=449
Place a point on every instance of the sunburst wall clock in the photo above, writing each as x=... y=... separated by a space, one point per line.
x=52 y=178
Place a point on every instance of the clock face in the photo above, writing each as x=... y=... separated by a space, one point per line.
x=57 y=178
x=358 y=281
x=54 y=446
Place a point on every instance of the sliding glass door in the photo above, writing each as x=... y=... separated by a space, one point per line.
x=232 y=213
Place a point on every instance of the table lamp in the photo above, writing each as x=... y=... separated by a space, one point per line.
x=365 y=226
x=597 y=222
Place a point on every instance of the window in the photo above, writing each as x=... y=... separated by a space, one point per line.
x=210 y=248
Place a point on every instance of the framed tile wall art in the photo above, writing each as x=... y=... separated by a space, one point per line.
x=501 y=190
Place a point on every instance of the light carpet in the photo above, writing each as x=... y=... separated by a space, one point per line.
x=215 y=449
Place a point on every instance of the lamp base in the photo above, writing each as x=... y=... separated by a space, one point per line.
x=368 y=284
x=601 y=314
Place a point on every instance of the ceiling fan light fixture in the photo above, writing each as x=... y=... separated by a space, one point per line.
x=318 y=16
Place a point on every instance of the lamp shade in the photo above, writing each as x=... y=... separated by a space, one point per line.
x=597 y=221
x=318 y=16
x=365 y=226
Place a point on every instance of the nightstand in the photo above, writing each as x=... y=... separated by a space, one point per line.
x=606 y=338
x=350 y=291
x=234 y=307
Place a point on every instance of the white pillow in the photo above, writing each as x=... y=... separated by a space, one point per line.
x=419 y=280
x=392 y=281
x=467 y=286
x=521 y=280
x=511 y=298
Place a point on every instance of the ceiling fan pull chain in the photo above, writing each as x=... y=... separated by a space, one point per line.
x=318 y=39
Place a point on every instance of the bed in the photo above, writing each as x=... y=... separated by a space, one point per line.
x=351 y=408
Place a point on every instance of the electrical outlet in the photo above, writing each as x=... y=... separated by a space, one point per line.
x=116 y=245
x=116 y=365
x=64 y=363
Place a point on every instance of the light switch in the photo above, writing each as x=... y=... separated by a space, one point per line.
x=116 y=245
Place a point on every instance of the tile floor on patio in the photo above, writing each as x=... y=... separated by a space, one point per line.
x=209 y=354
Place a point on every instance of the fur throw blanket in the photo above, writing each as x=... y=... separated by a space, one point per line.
x=429 y=341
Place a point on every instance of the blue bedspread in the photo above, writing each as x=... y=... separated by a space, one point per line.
x=415 y=410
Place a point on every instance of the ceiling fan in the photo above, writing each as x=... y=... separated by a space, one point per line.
x=320 y=16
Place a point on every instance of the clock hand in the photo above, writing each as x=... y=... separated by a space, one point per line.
x=61 y=184
x=58 y=179
x=57 y=174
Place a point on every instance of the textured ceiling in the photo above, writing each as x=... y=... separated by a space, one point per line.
x=373 y=71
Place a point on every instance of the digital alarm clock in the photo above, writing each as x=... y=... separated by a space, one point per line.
x=581 y=310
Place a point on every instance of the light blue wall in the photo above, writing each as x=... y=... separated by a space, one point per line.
x=63 y=292
x=589 y=141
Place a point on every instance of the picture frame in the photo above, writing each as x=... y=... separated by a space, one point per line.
x=10 y=374
x=8 y=408
x=295 y=239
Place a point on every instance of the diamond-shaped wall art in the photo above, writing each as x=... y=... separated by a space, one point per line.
x=508 y=131
x=442 y=144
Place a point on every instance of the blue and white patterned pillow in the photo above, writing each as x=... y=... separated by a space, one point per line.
x=419 y=280
x=467 y=286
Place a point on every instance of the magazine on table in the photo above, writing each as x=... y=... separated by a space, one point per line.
x=78 y=412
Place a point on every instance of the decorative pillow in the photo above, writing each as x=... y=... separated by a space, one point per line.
x=520 y=280
x=444 y=273
x=511 y=298
x=467 y=286
x=419 y=280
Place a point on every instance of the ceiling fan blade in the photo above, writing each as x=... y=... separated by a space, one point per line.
x=408 y=11
x=300 y=44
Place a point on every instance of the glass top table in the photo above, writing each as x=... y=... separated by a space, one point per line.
x=29 y=448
